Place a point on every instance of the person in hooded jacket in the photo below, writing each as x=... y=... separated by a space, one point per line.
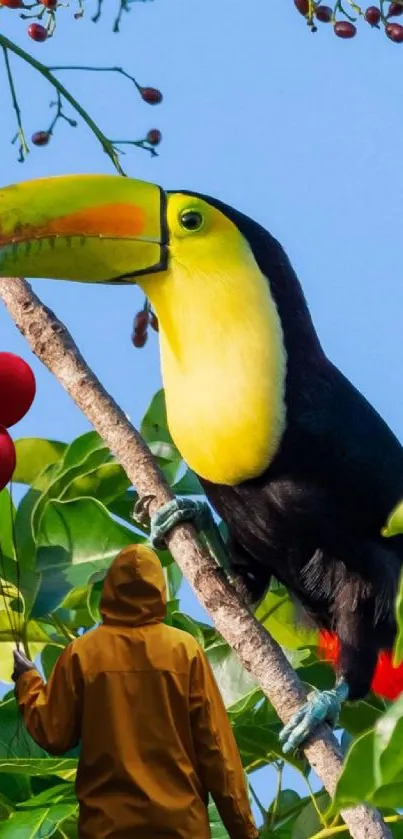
x=141 y=698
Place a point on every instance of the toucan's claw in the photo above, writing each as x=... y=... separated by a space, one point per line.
x=175 y=512
x=322 y=706
x=199 y=514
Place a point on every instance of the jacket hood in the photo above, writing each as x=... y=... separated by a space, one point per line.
x=134 y=592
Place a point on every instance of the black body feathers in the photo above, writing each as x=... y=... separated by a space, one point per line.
x=313 y=519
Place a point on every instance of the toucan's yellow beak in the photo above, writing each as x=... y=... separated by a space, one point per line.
x=89 y=228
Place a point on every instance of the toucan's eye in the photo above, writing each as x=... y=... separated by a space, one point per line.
x=191 y=220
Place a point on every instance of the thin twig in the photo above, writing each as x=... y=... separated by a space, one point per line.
x=84 y=69
x=23 y=148
x=260 y=655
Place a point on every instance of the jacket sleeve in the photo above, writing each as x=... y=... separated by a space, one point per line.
x=52 y=711
x=217 y=754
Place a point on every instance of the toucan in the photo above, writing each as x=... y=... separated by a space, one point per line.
x=303 y=471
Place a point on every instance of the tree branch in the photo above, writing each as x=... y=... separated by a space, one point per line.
x=256 y=649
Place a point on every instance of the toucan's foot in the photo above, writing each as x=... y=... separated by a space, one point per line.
x=322 y=706
x=175 y=512
x=199 y=514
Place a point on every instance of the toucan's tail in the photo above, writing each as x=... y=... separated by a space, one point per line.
x=387 y=681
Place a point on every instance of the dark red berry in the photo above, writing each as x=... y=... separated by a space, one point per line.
x=139 y=338
x=50 y=4
x=154 y=322
x=372 y=15
x=7 y=457
x=151 y=95
x=302 y=6
x=395 y=9
x=37 y=32
x=154 y=137
x=40 y=138
x=344 y=29
x=17 y=388
x=140 y=321
x=324 y=13
x=11 y=4
x=394 y=31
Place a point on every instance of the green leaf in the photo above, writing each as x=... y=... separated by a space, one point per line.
x=82 y=448
x=277 y=614
x=7 y=514
x=105 y=483
x=233 y=680
x=256 y=733
x=62 y=481
x=355 y=787
x=358 y=717
x=388 y=738
x=33 y=455
x=390 y=795
x=23 y=825
x=37 y=823
x=49 y=656
x=62 y=767
x=174 y=579
x=154 y=425
x=6 y=807
x=217 y=828
x=188 y=484
x=398 y=648
x=308 y=822
x=77 y=540
x=286 y=801
x=15 y=742
x=185 y=622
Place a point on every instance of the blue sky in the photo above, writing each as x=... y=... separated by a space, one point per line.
x=300 y=131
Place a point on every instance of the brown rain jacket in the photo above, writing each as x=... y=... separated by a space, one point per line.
x=155 y=736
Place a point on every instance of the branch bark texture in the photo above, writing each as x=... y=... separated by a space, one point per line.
x=261 y=656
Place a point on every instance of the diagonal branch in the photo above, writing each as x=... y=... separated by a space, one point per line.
x=257 y=651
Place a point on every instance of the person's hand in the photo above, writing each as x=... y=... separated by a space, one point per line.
x=21 y=665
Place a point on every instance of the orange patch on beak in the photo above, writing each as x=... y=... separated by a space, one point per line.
x=123 y=221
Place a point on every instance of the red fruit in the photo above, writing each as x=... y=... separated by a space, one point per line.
x=11 y=4
x=7 y=457
x=395 y=9
x=324 y=13
x=154 y=322
x=344 y=29
x=154 y=137
x=40 y=138
x=151 y=95
x=50 y=4
x=37 y=32
x=372 y=15
x=17 y=388
x=140 y=321
x=302 y=6
x=139 y=338
x=394 y=31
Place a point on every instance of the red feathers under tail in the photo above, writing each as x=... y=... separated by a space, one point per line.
x=387 y=681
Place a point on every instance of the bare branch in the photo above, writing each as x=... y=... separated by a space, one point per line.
x=256 y=649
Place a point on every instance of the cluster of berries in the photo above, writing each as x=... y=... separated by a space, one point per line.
x=17 y=393
x=346 y=28
x=142 y=321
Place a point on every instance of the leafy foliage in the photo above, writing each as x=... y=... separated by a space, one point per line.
x=73 y=519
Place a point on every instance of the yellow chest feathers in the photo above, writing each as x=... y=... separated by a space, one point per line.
x=223 y=368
